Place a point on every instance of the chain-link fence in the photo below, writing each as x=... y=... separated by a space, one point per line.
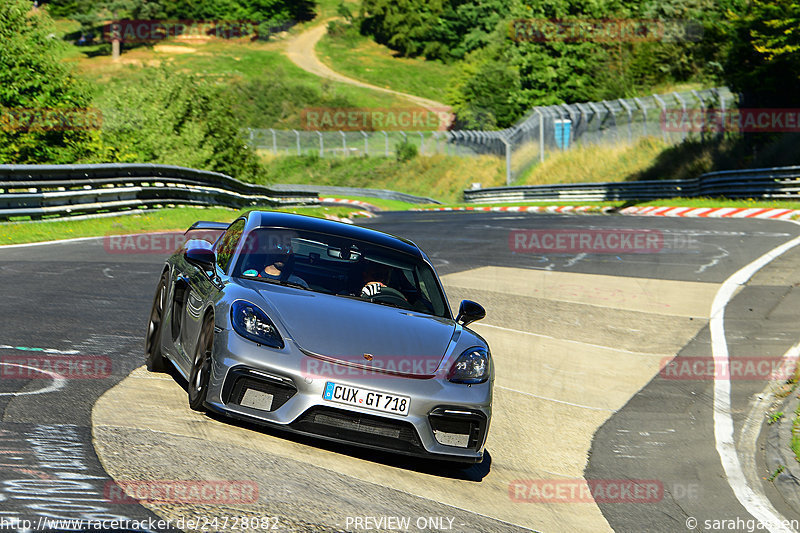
x=373 y=143
x=541 y=131
x=624 y=121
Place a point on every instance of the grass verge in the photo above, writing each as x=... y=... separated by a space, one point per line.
x=594 y=163
x=362 y=58
x=170 y=219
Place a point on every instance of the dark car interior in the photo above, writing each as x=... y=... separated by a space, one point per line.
x=341 y=268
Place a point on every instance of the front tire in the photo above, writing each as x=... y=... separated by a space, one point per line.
x=201 y=368
x=152 y=347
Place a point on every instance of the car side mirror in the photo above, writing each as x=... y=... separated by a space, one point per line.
x=469 y=312
x=200 y=255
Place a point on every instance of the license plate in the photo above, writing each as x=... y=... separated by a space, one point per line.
x=367 y=398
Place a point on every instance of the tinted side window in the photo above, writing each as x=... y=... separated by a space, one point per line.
x=227 y=244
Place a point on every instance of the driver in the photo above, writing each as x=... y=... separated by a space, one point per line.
x=376 y=276
x=278 y=255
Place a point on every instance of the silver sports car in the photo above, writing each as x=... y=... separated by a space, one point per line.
x=325 y=329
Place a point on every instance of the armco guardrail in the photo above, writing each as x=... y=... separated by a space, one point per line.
x=357 y=191
x=765 y=183
x=66 y=190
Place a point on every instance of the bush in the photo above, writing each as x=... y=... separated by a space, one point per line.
x=406 y=151
x=173 y=118
x=344 y=31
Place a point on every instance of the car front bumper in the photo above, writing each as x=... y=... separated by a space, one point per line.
x=446 y=420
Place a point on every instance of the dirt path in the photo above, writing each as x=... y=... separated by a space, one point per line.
x=300 y=50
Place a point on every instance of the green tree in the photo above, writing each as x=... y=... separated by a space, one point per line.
x=503 y=73
x=764 y=60
x=404 y=25
x=483 y=96
x=67 y=8
x=33 y=78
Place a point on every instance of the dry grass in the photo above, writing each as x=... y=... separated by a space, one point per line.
x=587 y=164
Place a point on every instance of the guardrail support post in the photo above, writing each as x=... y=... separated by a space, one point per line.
x=321 y=145
x=421 y=143
x=344 y=143
x=366 y=143
x=274 y=142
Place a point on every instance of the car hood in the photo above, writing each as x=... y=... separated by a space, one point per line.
x=350 y=331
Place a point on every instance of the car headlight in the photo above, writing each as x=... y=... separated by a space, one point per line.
x=472 y=366
x=252 y=323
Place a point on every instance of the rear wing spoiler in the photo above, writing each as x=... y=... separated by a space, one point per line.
x=207 y=231
x=202 y=224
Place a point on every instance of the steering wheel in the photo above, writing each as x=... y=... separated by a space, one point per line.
x=390 y=296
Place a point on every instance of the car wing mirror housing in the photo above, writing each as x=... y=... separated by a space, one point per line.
x=469 y=312
x=199 y=253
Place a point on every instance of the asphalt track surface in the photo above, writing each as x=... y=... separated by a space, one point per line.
x=59 y=448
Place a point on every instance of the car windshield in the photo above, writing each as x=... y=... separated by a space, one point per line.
x=340 y=266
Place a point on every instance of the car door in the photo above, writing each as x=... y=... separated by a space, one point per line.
x=204 y=288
